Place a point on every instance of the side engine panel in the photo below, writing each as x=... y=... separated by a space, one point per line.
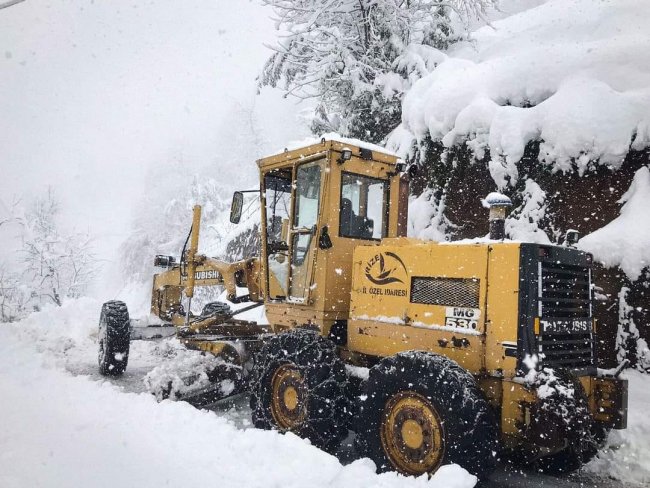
x=409 y=295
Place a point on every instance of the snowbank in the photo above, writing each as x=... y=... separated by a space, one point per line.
x=60 y=430
x=627 y=456
x=63 y=430
x=625 y=241
x=574 y=74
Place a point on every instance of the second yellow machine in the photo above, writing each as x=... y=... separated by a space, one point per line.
x=432 y=353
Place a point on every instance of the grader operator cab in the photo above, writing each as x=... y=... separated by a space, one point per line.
x=432 y=353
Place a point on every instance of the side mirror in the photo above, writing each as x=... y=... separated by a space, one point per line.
x=236 y=207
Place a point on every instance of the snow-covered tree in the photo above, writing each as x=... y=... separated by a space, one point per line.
x=162 y=218
x=629 y=344
x=358 y=57
x=163 y=222
x=14 y=296
x=526 y=222
x=426 y=217
x=57 y=265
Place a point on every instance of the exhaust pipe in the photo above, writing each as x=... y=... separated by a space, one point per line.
x=498 y=205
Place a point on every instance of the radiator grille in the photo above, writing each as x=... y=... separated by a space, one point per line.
x=564 y=291
x=567 y=350
x=564 y=295
x=452 y=292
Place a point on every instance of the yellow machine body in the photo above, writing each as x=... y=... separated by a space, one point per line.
x=334 y=258
x=465 y=301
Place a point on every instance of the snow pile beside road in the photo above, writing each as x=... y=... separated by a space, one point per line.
x=63 y=430
x=67 y=338
x=573 y=74
x=625 y=241
x=61 y=333
x=627 y=455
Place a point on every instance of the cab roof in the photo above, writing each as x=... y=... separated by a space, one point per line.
x=360 y=150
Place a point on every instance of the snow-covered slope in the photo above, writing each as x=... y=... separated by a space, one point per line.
x=574 y=74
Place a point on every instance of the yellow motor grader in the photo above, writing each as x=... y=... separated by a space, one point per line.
x=432 y=353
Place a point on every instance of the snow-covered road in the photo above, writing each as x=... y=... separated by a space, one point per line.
x=64 y=425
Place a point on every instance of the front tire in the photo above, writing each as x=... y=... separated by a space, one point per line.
x=114 y=337
x=422 y=411
x=298 y=384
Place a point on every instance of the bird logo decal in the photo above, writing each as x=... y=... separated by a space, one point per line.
x=384 y=268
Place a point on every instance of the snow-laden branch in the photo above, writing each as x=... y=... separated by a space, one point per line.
x=343 y=52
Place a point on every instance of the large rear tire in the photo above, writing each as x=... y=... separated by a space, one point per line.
x=565 y=411
x=422 y=411
x=298 y=384
x=114 y=337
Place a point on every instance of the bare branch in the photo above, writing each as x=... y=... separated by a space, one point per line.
x=10 y=3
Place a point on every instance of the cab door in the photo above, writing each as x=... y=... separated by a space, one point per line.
x=277 y=193
x=303 y=230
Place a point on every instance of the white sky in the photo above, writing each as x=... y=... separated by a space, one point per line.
x=92 y=94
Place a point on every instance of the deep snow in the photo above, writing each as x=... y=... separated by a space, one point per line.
x=63 y=425
x=59 y=429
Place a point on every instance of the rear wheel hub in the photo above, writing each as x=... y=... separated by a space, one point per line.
x=412 y=433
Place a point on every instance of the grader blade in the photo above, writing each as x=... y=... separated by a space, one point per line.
x=144 y=330
x=151 y=332
x=197 y=377
x=224 y=381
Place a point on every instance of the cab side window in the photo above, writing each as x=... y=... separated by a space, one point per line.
x=364 y=207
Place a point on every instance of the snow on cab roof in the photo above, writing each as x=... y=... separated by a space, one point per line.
x=333 y=136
